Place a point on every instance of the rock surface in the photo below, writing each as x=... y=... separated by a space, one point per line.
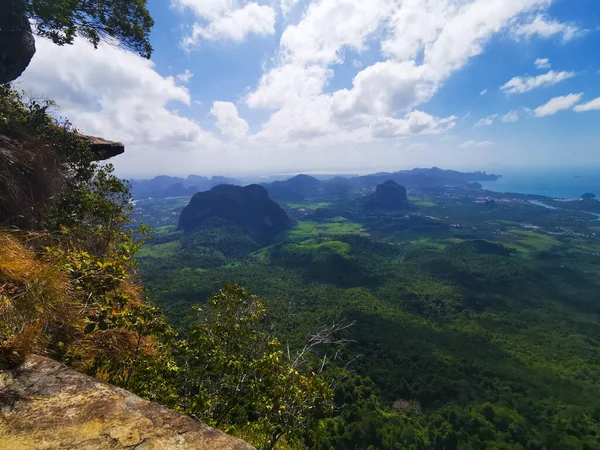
x=248 y=207
x=103 y=149
x=17 y=45
x=45 y=405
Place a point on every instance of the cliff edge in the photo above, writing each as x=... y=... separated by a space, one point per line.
x=46 y=405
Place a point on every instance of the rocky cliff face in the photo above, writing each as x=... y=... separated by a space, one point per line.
x=388 y=196
x=17 y=45
x=45 y=405
x=31 y=174
x=248 y=207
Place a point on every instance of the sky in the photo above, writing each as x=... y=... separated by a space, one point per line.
x=240 y=87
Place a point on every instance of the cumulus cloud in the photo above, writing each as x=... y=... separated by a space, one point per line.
x=545 y=27
x=228 y=120
x=483 y=92
x=288 y=85
x=512 y=116
x=558 y=104
x=593 y=105
x=423 y=43
x=415 y=122
x=307 y=118
x=226 y=19
x=520 y=85
x=486 y=121
x=542 y=63
x=185 y=76
x=116 y=94
x=471 y=144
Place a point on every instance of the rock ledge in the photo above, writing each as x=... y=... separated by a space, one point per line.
x=46 y=405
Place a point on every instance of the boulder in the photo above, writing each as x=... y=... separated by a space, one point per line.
x=17 y=45
x=46 y=405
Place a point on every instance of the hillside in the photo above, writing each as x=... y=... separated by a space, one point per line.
x=297 y=188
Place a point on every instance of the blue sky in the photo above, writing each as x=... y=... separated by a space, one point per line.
x=284 y=86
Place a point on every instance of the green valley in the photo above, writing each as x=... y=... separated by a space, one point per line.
x=474 y=327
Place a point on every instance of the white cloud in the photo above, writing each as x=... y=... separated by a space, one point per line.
x=593 y=105
x=424 y=43
x=486 y=121
x=483 y=92
x=558 y=104
x=520 y=85
x=386 y=88
x=117 y=95
x=357 y=64
x=288 y=85
x=542 y=63
x=512 y=116
x=185 y=76
x=544 y=27
x=415 y=122
x=228 y=120
x=307 y=121
x=226 y=19
x=287 y=5
x=471 y=144
x=328 y=26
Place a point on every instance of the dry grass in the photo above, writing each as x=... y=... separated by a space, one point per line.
x=36 y=305
x=40 y=311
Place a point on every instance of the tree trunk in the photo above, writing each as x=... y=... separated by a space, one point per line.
x=17 y=45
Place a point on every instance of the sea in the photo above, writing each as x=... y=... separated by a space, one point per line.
x=557 y=183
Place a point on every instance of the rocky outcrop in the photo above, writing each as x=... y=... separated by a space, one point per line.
x=103 y=149
x=17 y=45
x=31 y=174
x=388 y=196
x=45 y=405
x=248 y=207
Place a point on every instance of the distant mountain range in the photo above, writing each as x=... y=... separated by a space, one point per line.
x=301 y=187
x=165 y=186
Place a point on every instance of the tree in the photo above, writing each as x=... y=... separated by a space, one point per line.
x=122 y=22
x=127 y=21
x=236 y=374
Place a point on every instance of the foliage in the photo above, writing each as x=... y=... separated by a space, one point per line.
x=236 y=373
x=474 y=328
x=127 y=21
x=73 y=278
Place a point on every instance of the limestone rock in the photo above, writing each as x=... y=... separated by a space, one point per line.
x=17 y=45
x=248 y=207
x=388 y=196
x=45 y=405
x=103 y=149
